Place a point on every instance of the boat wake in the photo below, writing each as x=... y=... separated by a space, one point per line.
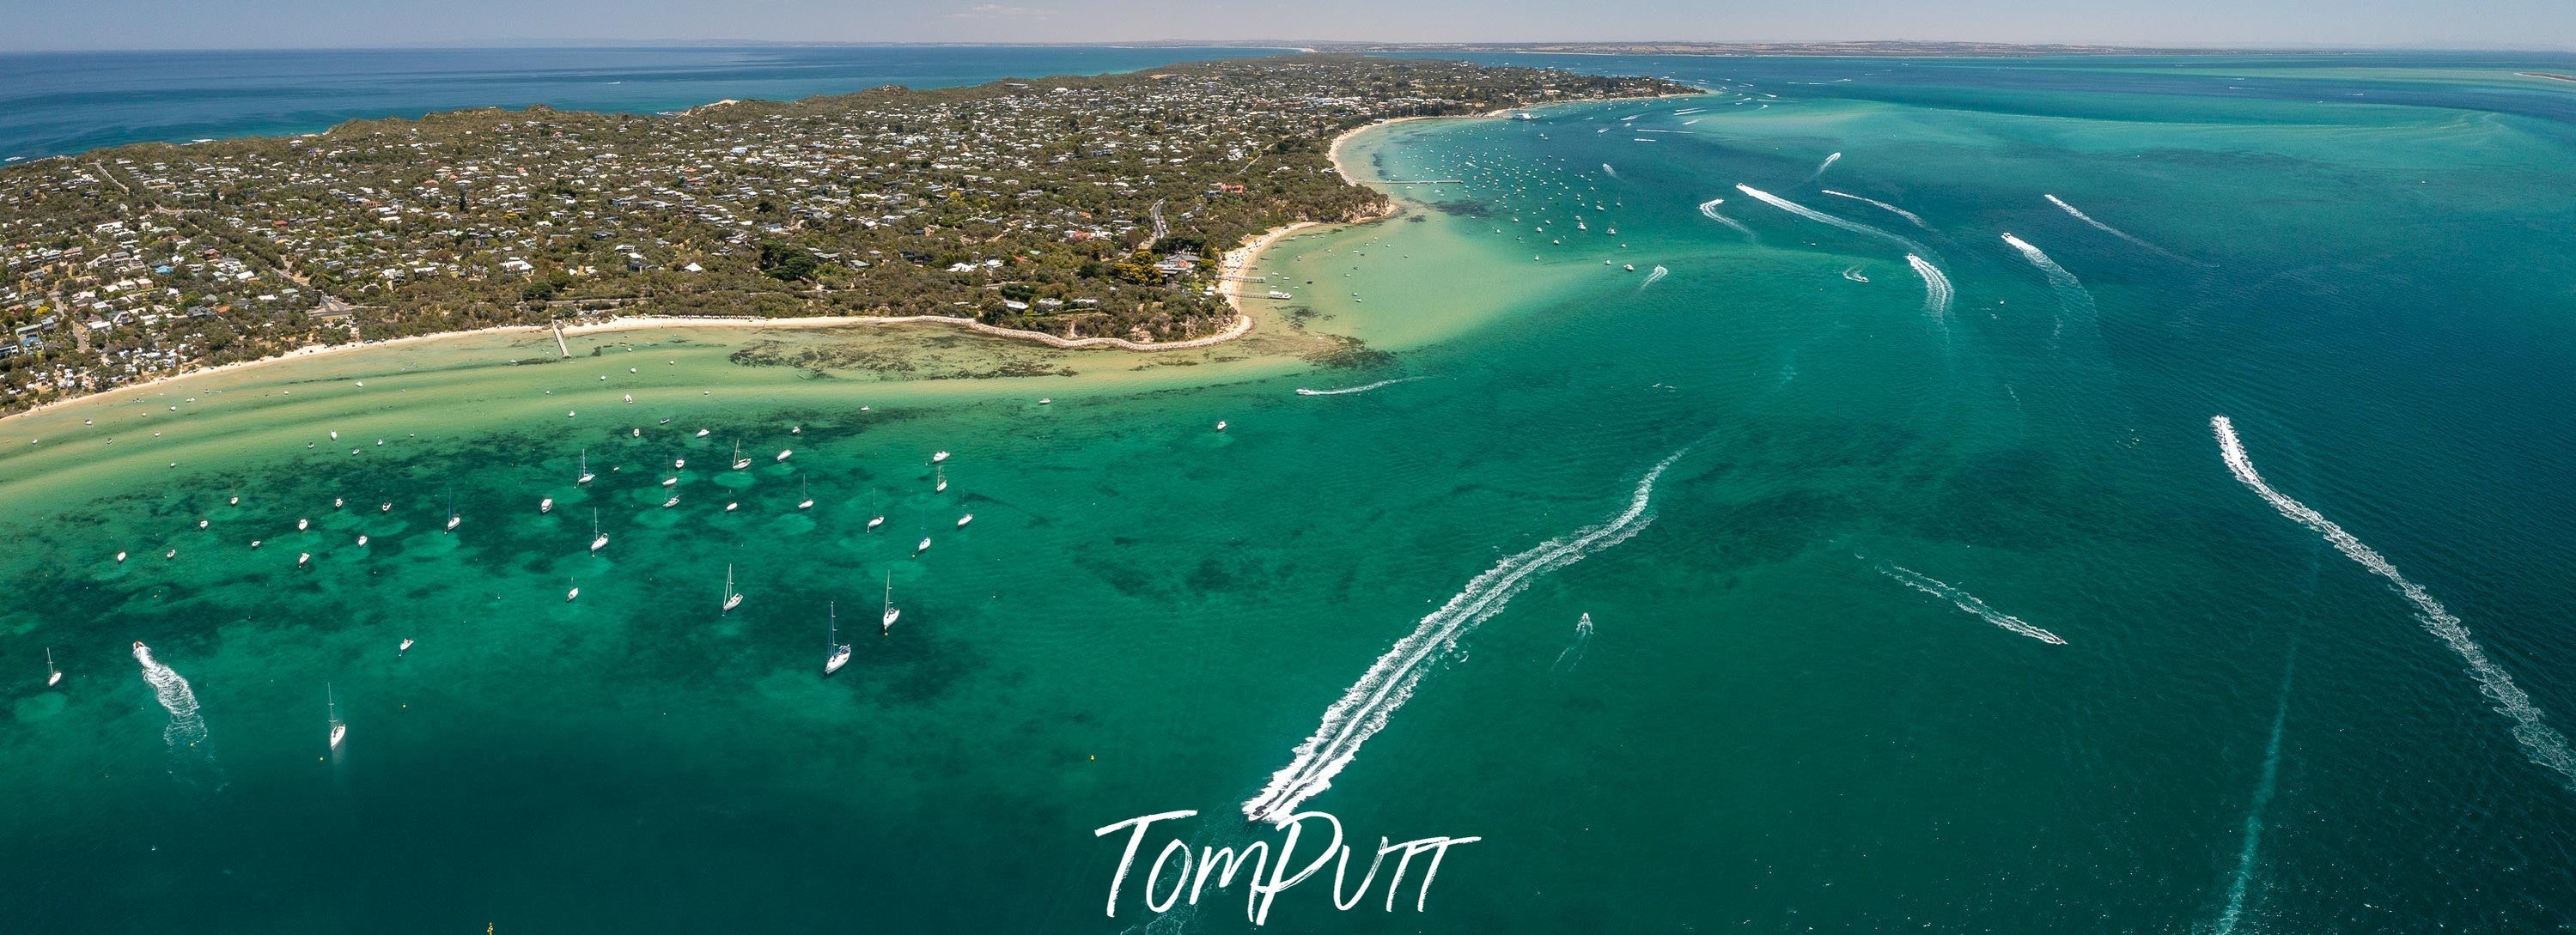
x=1364 y=709
x=1363 y=388
x=1936 y=286
x=1823 y=218
x=192 y=760
x=2235 y=910
x=1900 y=212
x=1659 y=272
x=2116 y=232
x=2070 y=291
x=1606 y=170
x=1967 y=602
x=2540 y=742
x=1822 y=166
x=1708 y=209
x=1573 y=655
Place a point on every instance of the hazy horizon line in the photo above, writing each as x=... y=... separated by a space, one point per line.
x=567 y=42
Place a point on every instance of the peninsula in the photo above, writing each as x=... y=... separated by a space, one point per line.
x=1074 y=207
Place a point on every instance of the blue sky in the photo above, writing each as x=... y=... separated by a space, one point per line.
x=128 y=24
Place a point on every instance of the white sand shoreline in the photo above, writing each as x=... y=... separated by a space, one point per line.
x=1234 y=262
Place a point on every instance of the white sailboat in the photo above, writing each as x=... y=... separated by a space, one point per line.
x=885 y=625
x=546 y=505
x=808 y=502
x=678 y=463
x=53 y=676
x=586 y=475
x=739 y=462
x=385 y=507
x=839 y=654
x=732 y=506
x=672 y=481
x=303 y=524
x=925 y=533
x=702 y=433
x=783 y=453
x=362 y=540
x=942 y=485
x=598 y=540
x=963 y=520
x=667 y=504
x=404 y=649
x=301 y=558
x=732 y=598
x=574 y=593
x=339 y=730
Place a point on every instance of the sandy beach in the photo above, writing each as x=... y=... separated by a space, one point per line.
x=1234 y=263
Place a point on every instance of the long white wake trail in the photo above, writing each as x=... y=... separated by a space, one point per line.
x=1658 y=273
x=2540 y=742
x=1900 y=212
x=2114 y=231
x=1967 y=602
x=1363 y=710
x=1936 y=286
x=1708 y=209
x=187 y=730
x=2070 y=290
x=1362 y=388
x=1823 y=218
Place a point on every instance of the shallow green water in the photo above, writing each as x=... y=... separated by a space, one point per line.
x=1766 y=729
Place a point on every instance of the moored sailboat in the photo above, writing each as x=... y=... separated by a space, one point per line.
x=732 y=598
x=885 y=624
x=598 y=540
x=838 y=654
x=53 y=676
x=339 y=731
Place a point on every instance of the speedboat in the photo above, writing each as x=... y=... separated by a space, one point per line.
x=546 y=505
x=783 y=453
x=938 y=456
x=963 y=520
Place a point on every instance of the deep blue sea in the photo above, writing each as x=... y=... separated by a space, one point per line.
x=65 y=102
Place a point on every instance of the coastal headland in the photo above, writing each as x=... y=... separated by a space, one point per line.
x=1074 y=212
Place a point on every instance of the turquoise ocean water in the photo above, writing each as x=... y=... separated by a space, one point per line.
x=1944 y=612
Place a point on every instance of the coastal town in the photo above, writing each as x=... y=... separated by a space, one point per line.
x=1073 y=207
